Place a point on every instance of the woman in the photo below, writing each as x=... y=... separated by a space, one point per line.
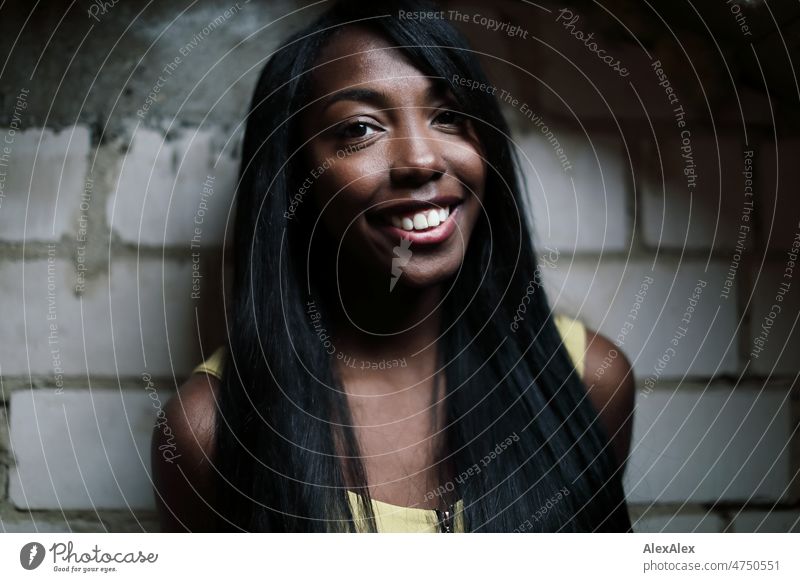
x=393 y=363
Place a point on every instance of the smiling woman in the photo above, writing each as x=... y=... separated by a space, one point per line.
x=416 y=171
x=411 y=245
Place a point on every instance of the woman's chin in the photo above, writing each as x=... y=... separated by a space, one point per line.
x=421 y=276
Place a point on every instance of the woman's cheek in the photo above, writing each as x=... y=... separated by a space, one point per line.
x=344 y=191
x=474 y=171
x=335 y=200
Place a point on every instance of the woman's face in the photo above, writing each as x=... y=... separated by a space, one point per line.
x=396 y=173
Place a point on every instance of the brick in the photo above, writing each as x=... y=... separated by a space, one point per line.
x=39 y=524
x=6 y=458
x=3 y=483
x=696 y=521
x=142 y=521
x=707 y=216
x=42 y=183
x=777 y=521
x=705 y=446
x=58 y=522
x=167 y=327
x=779 y=198
x=149 y=308
x=604 y=296
x=776 y=329
x=82 y=449
x=578 y=201
x=159 y=197
x=5 y=444
x=25 y=334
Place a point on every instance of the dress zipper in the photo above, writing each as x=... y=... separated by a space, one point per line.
x=445 y=519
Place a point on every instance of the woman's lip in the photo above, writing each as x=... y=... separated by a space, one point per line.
x=424 y=237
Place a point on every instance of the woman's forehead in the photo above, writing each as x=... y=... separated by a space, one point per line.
x=357 y=56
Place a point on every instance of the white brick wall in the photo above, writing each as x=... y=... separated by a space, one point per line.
x=3 y=482
x=42 y=183
x=775 y=323
x=706 y=216
x=776 y=521
x=5 y=454
x=681 y=457
x=23 y=525
x=106 y=327
x=4 y=443
x=696 y=521
x=703 y=446
x=604 y=296
x=581 y=208
x=159 y=191
x=56 y=522
x=702 y=434
x=83 y=449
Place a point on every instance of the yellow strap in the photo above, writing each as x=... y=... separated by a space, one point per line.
x=213 y=365
x=573 y=333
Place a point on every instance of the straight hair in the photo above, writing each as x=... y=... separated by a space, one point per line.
x=282 y=409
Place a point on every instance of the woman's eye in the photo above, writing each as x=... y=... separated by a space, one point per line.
x=359 y=129
x=449 y=117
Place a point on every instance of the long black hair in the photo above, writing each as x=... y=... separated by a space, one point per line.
x=281 y=408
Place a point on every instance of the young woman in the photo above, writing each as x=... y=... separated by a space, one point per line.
x=393 y=363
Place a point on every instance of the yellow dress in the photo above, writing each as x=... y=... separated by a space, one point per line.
x=395 y=518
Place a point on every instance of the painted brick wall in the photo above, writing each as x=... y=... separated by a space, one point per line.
x=107 y=219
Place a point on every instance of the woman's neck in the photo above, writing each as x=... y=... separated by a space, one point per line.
x=373 y=322
x=387 y=362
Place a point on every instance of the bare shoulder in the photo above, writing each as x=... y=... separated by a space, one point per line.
x=182 y=453
x=608 y=376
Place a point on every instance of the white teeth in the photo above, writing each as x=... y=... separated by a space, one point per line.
x=421 y=220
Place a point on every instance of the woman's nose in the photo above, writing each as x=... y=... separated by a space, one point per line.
x=416 y=158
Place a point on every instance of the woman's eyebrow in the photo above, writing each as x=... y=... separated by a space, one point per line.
x=356 y=94
x=437 y=89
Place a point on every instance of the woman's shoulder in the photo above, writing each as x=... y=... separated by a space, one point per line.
x=193 y=407
x=608 y=376
x=611 y=387
x=182 y=453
